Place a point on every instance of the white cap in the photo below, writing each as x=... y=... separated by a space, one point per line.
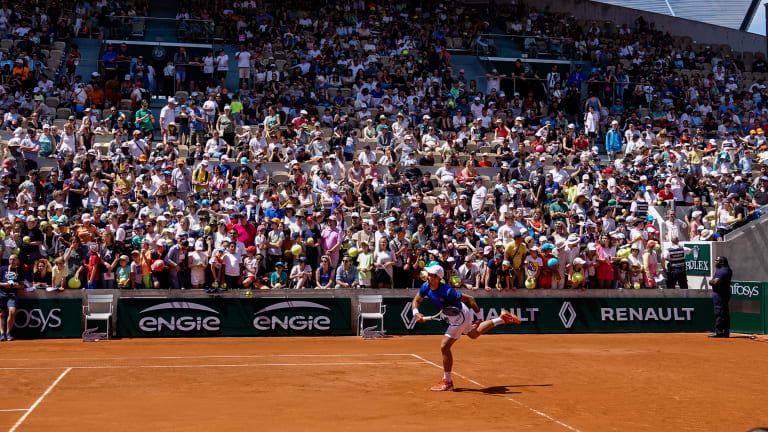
x=171 y=100
x=435 y=270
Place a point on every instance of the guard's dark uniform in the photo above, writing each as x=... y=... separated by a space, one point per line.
x=676 y=268
x=721 y=294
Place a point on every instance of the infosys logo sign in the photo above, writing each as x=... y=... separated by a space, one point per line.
x=38 y=320
x=293 y=315
x=745 y=290
x=179 y=316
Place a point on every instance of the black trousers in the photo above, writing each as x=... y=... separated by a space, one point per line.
x=722 y=314
x=677 y=277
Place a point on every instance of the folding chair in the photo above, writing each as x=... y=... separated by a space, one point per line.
x=98 y=307
x=370 y=307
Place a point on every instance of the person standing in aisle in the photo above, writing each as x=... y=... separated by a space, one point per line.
x=721 y=294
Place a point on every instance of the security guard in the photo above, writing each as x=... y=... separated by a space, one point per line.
x=721 y=294
x=674 y=261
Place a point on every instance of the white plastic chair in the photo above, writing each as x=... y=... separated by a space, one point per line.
x=99 y=307
x=370 y=307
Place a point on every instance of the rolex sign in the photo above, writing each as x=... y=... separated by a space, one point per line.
x=698 y=261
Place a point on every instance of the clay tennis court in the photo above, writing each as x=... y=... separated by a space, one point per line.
x=628 y=382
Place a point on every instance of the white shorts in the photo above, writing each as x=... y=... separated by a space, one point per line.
x=197 y=276
x=455 y=331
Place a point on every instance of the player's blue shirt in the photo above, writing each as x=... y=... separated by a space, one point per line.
x=442 y=297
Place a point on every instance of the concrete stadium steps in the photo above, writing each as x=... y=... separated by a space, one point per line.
x=90 y=54
x=473 y=69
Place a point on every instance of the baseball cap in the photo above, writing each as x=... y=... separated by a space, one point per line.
x=435 y=270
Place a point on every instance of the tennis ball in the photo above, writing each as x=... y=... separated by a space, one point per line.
x=421 y=263
x=423 y=275
x=530 y=283
x=577 y=277
x=215 y=284
x=223 y=284
x=311 y=241
x=278 y=285
x=637 y=285
x=352 y=252
x=26 y=239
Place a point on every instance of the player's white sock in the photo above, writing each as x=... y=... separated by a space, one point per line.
x=447 y=376
x=497 y=321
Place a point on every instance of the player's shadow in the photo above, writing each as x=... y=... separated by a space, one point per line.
x=501 y=390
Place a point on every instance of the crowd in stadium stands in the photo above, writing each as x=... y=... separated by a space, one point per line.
x=352 y=155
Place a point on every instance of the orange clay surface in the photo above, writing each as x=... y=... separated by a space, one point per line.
x=629 y=382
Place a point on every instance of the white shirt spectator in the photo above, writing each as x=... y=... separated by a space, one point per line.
x=167 y=116
x=478 y=198
x=243 y=59
x=222 y=62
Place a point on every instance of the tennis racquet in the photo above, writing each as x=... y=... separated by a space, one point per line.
x=450 y=314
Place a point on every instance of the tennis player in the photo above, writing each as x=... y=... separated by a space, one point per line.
x=443 y=296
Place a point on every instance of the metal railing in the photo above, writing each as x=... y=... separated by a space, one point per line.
x=163 y=29
x=538 y=47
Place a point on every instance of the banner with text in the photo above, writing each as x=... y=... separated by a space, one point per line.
x=747 y=307
x=570 y=315
x=234 y=317
x=48 y=318
x=699 y=261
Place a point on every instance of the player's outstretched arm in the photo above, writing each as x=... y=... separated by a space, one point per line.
x=470 y=301
x=415 y=308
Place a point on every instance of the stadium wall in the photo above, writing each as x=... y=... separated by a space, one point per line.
x=186 y=313
x=746 y=250
x=700 y=32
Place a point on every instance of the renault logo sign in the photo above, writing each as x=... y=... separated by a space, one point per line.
x=408 y=319
x=567 y=314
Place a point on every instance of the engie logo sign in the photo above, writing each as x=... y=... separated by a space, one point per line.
x=234 y=317
x=298 y=316
x=179 y=317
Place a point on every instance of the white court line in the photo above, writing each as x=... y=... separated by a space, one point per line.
x=37 y=402
x=533 y=410
x=204 y=357
x=217 y=365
